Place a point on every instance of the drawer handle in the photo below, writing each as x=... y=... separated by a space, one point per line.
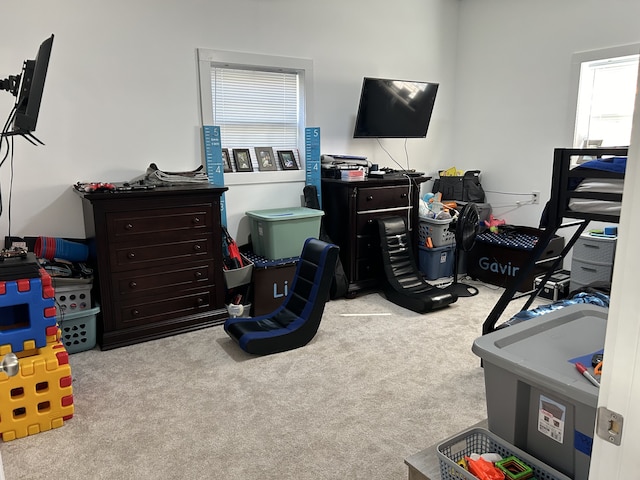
x=128 y=226
x=589 y=269
x=135 y=312
x=198 y=274
x=200 y=301
x=196 y=220
x=131 y=255
x=369 y=198
x=587 y=245
x=197 y=247
x=404 y=195
x=370 y=221
x=133 y=284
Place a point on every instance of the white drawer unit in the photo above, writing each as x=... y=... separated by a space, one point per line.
x=592 y=260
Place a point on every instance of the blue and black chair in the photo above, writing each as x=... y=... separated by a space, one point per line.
x=295 y=322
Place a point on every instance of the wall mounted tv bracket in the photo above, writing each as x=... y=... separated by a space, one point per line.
x=12 y=85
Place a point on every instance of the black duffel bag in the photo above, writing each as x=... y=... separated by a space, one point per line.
x=465 y=188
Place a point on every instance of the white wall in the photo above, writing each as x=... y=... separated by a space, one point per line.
x=512 y=110
x=122 y=88
x=513 y=87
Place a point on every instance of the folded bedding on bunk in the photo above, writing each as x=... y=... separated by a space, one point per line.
x=587 y=205
x=598 y=185
x=606 y=185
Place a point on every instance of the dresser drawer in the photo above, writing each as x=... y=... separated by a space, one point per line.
x=595 y=249
x=367 y=247
x=149 y=310
x=128 y=257
x=163 y=280
x=366 y=269
x=376 y=198
x=585 y=273
x=171 y=221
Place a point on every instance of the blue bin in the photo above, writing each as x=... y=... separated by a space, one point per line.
x=436 y=262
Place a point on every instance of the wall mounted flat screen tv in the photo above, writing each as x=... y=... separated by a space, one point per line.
x=34 y=73
x=394 y=108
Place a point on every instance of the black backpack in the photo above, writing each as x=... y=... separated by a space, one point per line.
x=339 y=285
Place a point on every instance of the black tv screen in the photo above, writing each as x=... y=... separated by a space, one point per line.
x=394 y=108
x=32 y=80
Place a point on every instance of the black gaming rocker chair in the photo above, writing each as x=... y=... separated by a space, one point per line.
x=295 y=322
x=405 y=285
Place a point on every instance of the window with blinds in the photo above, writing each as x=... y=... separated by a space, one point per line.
x=256 y=107
x=257 y=101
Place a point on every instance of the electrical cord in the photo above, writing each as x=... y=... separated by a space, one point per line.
x=406 y=153
x=10 y=193
x=8 y=154
x=508 y=193
x=412 y=182
x=391 y=156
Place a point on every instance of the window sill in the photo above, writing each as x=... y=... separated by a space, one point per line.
x=256 y=178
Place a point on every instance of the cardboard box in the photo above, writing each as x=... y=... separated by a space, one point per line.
x=497 y=261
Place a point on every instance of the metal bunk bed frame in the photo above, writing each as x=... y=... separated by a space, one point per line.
x=557 y=211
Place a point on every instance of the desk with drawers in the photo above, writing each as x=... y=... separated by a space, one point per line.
x=351 y=210
x=158 y=261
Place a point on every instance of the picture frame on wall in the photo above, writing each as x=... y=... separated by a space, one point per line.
x=226 y=161
x=287 y=160
x=266 y=160
x=242 y=159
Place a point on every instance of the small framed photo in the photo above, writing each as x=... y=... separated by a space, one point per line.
x=266 y=161
x=287 y=160
x=243 y=160
x=226 y=161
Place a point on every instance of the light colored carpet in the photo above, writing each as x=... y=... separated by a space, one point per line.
x=371 y=389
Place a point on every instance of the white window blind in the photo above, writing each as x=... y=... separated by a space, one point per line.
x=256 y=107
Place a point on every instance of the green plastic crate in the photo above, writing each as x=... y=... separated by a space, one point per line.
x=281 y=232
x=78 y=329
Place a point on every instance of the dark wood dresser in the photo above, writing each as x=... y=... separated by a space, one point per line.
x=351 y=210
x=158 y=261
